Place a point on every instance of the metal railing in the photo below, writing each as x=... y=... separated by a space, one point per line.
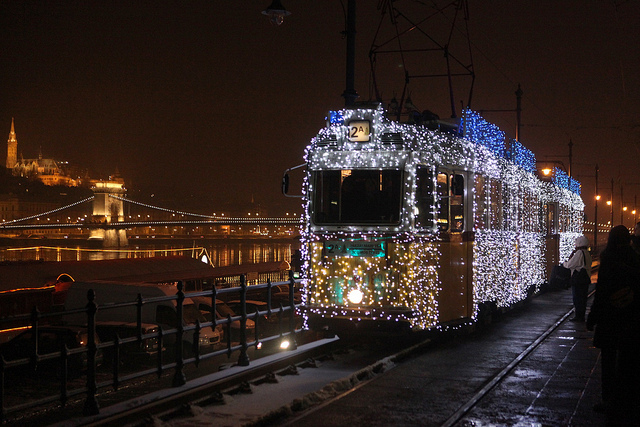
x=178 y=335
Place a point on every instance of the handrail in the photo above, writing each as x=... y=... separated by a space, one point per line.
x=183 y=356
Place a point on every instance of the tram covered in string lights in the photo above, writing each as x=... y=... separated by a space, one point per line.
x=418 y=226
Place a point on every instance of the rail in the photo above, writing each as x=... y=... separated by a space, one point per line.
x=94 y=347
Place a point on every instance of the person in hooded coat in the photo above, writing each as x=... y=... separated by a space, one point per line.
x=580 y=259
x=615 y=315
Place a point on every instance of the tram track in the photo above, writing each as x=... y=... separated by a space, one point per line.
x=508 y=369
x=190 y=403
x=484 y=391
x=464 y=407
x=467 y=406
x=171 y=402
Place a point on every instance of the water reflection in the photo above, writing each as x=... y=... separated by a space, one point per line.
x=221 y=252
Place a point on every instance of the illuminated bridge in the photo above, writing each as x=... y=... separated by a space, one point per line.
x=108 y=223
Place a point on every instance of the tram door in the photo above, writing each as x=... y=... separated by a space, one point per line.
x=455 y=263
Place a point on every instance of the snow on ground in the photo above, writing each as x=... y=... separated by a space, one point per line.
x=271 y=401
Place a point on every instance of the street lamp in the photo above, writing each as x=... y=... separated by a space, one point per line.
x=276 y=12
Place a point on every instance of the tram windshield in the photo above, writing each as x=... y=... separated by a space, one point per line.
x=355 y=196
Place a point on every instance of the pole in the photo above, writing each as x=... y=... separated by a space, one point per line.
x=518 y=111
x=350 y=95
x=611 y=202
x=595 y=222
x=621 y=205
x=570 y=155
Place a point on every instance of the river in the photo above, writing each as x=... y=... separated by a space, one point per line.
x=221 y=252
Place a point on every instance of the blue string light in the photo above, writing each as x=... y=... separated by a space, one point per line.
x=521 y=156
x=336 y=117
x=480 y=131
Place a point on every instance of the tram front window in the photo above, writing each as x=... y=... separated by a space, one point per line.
x=355 y=196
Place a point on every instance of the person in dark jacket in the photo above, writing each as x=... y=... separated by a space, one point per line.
x=615 y=315
x=635 y=239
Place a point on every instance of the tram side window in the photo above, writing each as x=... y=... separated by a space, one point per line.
x=496 y=204
x=550 y=218
x=424 y=198
x=481 y=203
x=443 y=201
x=457 y=202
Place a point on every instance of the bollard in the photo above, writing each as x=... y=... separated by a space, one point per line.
x=91 y=404
x=228 y=336
x=116 y=362
x=243 y=359
x=63 y=376
x=2 y=369
x=35 y=315
x=139 y=320
x=269 y=297
x=160 y=346
x=293 y=345
x=196 y=342
x=179 y=378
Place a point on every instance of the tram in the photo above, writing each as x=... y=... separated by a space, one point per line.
x=418 y=226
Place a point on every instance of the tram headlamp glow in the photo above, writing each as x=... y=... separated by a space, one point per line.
x=355 y=296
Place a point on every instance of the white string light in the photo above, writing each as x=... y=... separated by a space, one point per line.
x=48 y=212
x=509 y=248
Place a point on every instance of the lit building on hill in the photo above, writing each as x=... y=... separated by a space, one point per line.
x=48 y=171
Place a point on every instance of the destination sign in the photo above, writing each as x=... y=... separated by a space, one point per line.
x=355 y=249
x=359 y=131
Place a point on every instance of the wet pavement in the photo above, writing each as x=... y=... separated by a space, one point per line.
x=557 y=384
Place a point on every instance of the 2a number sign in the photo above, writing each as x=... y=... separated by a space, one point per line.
x=359 y=131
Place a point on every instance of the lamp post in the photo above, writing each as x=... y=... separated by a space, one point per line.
x=350 y=95
x=622 y=208
x=611 y=204
x=276 y=13
x=595 y=222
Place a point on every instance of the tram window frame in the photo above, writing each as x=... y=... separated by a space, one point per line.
x=551 y=213
x=425 y=198
x=451 y=191
x=442 y=190
x=481 y=211
x=328 y=200
x=495 y=204
x=456 y=202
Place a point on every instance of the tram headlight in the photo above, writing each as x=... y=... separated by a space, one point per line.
x=355 y=296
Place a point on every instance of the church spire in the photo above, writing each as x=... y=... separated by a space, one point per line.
x=12 y=148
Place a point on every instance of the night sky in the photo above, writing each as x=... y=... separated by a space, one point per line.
x=205 y=104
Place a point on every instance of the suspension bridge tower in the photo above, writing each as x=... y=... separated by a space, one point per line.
x=108 y=210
